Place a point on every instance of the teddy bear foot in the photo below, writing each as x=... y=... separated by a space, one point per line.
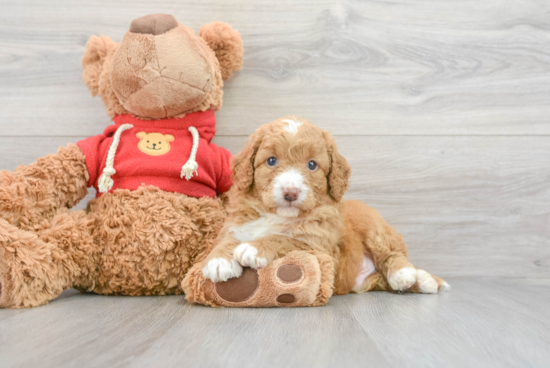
x=243 y=288
x=4 y=302
x=28 y=277
x=297 y=280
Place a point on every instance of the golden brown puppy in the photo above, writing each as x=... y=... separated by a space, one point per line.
x=287 y=195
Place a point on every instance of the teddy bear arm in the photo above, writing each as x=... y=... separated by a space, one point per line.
x=37 y=191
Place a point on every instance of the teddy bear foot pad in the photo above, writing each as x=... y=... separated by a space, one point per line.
x=292 y=281
x=241 y=289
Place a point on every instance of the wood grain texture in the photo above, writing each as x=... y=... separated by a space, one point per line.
x=355 y=67
x=482 y=323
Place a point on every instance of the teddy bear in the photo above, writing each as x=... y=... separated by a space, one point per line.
x=160 y=184
x=158 y=176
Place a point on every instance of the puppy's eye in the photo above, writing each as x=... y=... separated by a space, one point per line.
x=312 y=165
x=147 y=141
x=272 y=161
x=160 y=142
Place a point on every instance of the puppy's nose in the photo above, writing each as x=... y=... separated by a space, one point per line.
x=291 y=194
x=153 y=24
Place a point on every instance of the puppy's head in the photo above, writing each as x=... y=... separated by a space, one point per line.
x=291 y=166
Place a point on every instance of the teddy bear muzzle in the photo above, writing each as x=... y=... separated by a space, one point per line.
x=153 y=24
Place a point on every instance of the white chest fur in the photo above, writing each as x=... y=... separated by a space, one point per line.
x=268 y=224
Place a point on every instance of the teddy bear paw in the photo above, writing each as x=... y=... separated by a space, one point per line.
x=238 y=290
x=297 y=279
x=220 y=269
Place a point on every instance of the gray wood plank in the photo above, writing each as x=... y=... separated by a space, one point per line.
x=370 y=67
x=481 y=322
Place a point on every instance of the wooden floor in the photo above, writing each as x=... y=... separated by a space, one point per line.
x=442 y=108
x=481 y=323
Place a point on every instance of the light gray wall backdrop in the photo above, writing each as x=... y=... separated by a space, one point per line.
x=444 y=115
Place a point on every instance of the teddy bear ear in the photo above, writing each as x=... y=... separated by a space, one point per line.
x=141 y=135
x=227 y=44
x=169 y=137
x=97 y=49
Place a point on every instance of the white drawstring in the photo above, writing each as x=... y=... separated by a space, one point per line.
x=105 y=183
x=191 y=165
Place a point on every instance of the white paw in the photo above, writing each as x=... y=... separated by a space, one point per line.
x=247 y=256
x=426 y=282
x=220 y=269
x=445 y=287
x=402 y=279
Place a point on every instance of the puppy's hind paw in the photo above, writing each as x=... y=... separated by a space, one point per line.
x=445 y=287
x=426 y=283
x=220 y=269
x=403 y=279
x=247 y=256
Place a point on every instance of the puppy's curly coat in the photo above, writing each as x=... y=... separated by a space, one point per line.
x=287 y=195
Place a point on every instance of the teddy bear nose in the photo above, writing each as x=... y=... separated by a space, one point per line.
x=153 y=24
x=291 y=194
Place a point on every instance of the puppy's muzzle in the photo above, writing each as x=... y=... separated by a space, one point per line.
x=291 y=194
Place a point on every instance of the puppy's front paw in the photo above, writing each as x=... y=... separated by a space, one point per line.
x=403 y=279
x=220 y=269
x=247 y=256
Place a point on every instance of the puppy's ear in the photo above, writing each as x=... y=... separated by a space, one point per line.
x=97 y=50
x=242 y=164
x=339 y=172
x=227 y=44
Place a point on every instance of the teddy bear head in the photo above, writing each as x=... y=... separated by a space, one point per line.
x=161 y=68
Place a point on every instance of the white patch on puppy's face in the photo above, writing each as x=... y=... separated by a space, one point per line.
x=292 y=126
x=292 y=180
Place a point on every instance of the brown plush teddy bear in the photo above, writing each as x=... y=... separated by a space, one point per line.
x=157 y=174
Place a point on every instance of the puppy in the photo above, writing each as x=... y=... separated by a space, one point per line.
x=287 y=195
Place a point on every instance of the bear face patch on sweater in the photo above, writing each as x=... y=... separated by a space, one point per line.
x=154 y=144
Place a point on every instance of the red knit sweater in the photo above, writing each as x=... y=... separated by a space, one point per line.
x=154 y=151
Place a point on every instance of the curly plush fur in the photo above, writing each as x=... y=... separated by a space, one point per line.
x=138 y=242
